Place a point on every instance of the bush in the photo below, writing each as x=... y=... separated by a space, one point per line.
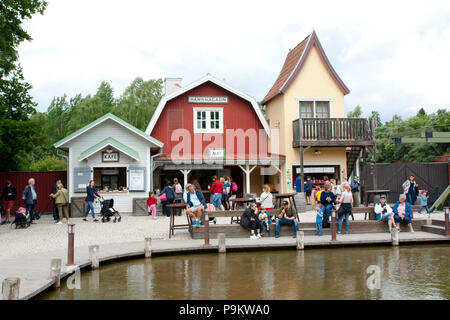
x=48 y=163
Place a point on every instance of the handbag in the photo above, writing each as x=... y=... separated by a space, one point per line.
x=163 y=197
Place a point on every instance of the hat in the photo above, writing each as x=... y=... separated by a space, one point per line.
x=21 y=209
x=422 y=192
x=383 y=196
x=317 y=188
x=285 y=203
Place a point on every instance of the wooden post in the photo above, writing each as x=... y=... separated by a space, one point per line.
x=93 y=256
x=222 y=245
x=206 y=229
x=148 y=247
x=10 y=288
x=333 y=225
x=71 y=244
x=55 y=271
x=300 y=240
x=447 y=223
x=394 y=236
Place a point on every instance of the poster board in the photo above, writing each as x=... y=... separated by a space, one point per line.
x=136 y=179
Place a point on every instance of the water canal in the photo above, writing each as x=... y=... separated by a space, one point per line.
x=408 y=272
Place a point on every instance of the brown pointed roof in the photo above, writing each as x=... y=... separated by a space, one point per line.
x=293 y=64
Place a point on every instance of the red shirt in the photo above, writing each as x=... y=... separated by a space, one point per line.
x=216 y=187
x=151 y=200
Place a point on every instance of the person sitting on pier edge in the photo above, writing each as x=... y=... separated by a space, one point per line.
x=383 y=212
x=285 y=216
x=328 y=199
x=249 y=220
x=345 y=210
x=195 y=202
x=402 y=212
x=216 y=193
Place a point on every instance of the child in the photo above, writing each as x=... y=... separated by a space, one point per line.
x=264 y=221
x=319 y=217
x=423 y=201
x=151 y=204
x=317 y=193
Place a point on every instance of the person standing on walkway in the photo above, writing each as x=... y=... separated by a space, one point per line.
x=319 y=218
x=55 y=208
x=226 y=192
x=9 y=196
x=151 y=204
x=298 y=184
x=266 y=198
x=308 y=190
x=423 y=202
x=61 y=200
x=30 y=197
x=216 y=193
x=178 y=190
x=345 y=210
x=170 y=197
x=411 y=189
x=355 y=190
x=91 y=195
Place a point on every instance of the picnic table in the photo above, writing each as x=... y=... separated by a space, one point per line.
x=240 y=202
x=373 y=193
x=172 y=226
x=290 y=196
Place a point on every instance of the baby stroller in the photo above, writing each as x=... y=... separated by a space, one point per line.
x=108 y=211
x=21 y=220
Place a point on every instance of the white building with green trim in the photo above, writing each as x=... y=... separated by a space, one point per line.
x=113 y=153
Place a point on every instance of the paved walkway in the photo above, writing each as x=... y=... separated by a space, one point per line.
x=27 y=253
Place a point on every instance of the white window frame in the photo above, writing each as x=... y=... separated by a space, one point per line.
x=314 y=100
x=208 y=120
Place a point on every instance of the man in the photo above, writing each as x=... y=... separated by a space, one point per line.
x=298 y=184
x=55 y=208
x=216 y=193
x=30 y=197
x=308 y=190
x=195 y=203
x=383 y=212
x=355 y=190
x=286 y=216
x=9 y=196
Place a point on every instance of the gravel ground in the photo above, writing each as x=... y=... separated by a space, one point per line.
x=46 y=236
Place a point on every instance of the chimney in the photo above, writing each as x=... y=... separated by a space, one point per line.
x=171 y=85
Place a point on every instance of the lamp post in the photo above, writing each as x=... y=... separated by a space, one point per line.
x=70 y=249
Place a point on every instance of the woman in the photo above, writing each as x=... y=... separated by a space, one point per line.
x=328 y=199
x=9 y=196
x=30 y=197
x=266 y=198
x=249 y=221
x=91 y=195
x=345 y=209
x=178 y=191
x=402 y=212
x=170 y=197
x=226 y=192
x=61 y=200
x=411 y=189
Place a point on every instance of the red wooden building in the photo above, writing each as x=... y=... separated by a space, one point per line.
x=209 y=128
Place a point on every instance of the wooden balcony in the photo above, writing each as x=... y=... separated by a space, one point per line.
x=333 y=132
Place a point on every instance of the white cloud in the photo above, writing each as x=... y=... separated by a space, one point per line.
x=393 y=55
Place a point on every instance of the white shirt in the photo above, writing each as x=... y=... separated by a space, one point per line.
x=266 y=200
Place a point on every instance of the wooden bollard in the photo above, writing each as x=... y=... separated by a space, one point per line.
x=206 y=234
x=93 y=256
x=10 y=288
x=447 y=222
x=333 y=225
x=55 y=271
x=71 y=244
x=222 y=245
x=394 y=236
x=300 y=240
x=148 y=247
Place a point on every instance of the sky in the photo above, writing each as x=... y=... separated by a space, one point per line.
x=394 y=56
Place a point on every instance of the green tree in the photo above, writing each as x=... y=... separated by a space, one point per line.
x=355 y=113
x=89 y=109
x=105 y=93
x=139 y=101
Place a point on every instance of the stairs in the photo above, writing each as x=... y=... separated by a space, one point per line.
x=352 y=156
x=436 y=227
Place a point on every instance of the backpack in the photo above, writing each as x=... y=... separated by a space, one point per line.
x=234 y=187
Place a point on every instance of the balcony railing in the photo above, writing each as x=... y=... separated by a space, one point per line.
x=333 y=132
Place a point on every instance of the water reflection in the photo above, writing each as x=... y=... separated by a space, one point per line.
x=419 y=272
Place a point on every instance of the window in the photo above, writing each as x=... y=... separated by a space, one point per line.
x=314 y=108
x=208 y=120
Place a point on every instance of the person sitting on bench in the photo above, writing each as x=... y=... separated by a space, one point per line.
x=383 y=212
x=249 y=220
x=402 y=212
x=195 y=202
x=285 y=216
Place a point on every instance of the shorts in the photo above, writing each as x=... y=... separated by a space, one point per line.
x=194 y=208
x=386 y=217
x=9 y=204
x=406 y=219
x=308 y=193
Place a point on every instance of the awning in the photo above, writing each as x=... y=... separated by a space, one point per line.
x=109 y=142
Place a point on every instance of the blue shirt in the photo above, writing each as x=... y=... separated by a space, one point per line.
x=194 y=199
x=33 y=193
x=318 y=217
x=298 y=184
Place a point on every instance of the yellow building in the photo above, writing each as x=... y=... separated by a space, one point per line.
x=306 y=105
